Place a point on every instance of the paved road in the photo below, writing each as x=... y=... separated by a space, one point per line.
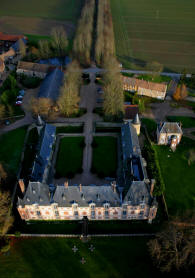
x=99 y=70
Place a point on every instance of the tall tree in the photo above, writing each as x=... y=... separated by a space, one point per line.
x=6 y=220
x=59 y=41
x=2 y=111
x=22 y=47
x=41 y=106
x=68 y=101
x=173 y=247
x=113 y=91
x=44 y=49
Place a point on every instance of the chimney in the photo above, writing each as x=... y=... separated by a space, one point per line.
x=22 y=185
x=66 y=184
x=113 y=184
x=152 y=187
x=80 y=187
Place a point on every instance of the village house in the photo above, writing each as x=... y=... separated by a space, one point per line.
x=46 y=201
x=33 y=69
x=9 y=47
x=144 y=88
x=169 y=133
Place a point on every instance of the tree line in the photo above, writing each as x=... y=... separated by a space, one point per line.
x=105 y=45
x=84 y=33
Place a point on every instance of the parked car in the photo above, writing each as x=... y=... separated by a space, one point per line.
x=21 y=93
x=18 y=102
x=100 y=100
x=19 y=98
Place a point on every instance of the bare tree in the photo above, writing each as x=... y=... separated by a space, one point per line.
x=22 y=47
x=2 y=111
x=173 y=247
x=41 y=106
x=68 y=101
x=44 y=49
x=6 y=220
x=155 y=67
x=59 y=41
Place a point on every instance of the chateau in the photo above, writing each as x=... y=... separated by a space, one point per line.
x=130 y=197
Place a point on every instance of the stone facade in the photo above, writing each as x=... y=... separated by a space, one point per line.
x=169 y=134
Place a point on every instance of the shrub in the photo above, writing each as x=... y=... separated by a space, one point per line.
x=29 y=82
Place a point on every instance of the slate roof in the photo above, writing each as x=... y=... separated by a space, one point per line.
x=16 y=45
x=50 y=87
x=130 y=142
x=36 y=193
x=170 y=127
x=40 y=166
x=65 y=197
x=33 y=67
x=137 y=193
x=160 y=87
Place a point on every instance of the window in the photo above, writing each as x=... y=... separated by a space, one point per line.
x=38 y=213
x=93 y=214
x=56 y=213
x=142 y=206
x=76 y=213
x=124 y=213
x=55 y=207
x=106 y=213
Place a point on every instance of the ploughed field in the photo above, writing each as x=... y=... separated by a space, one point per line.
x=155 y=30
x=38 y=17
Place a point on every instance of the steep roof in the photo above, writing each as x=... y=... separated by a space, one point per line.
x=137 y=193
x=36 y=193
x=33 y=67
x=50 y=87
x=65 y=197
x=7 y=37
x=16 y=45
x=136 y=120
x=160 y=87
x=44 y=155
x=170 y=127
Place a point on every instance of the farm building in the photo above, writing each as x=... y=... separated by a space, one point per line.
x=47 y=201
x=145 y=88
x=169 y=133
x=50 y=87
x=33 y=69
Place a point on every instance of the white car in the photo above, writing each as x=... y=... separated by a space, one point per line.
x=18 y=102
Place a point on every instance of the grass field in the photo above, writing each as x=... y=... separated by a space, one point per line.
x=187 y=122
x=70 y=156
x=118 y=258
x=104 y=156
x=11 y=147
x=38 y=17
x=155 y=30
x=178 y=176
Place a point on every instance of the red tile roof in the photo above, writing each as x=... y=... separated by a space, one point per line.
x=131 y=111
x=7 y=37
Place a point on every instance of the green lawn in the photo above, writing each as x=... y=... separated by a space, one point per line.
x=150 y=124
x=11 y=147
x=70 y=157
x=112 y=258
x=155 y=79
x=69 y=129
x=186 y=121
x=105 y=156
x=52 y=9
x=179 y=177
x=147 y=31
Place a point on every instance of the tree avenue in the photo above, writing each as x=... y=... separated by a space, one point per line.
x=68 y=101
x=113 y=91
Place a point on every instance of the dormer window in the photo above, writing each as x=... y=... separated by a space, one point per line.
x=106 y=205
x=75 y=206
x=98 y=197
x=92 y=206
x=63 y=197
x=40 y=199
x=34 y=192
x=82 y=196
x=28 y=199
